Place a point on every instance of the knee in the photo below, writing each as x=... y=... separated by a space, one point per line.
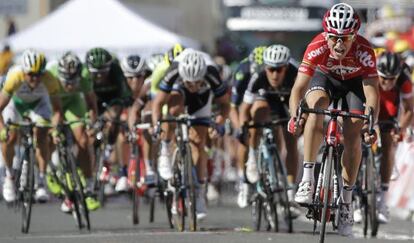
x=260 y=110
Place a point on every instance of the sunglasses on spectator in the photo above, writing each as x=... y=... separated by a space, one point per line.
x=343 y=38
x=275 y=69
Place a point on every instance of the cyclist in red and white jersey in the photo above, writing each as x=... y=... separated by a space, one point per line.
x=337 y=63
x=396 y=102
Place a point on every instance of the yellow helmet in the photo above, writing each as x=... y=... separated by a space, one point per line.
x=401 y=46
x=173 y=53
x=33 y=62
x=378 y=51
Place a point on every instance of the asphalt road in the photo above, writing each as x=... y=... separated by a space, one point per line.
x=225 y=223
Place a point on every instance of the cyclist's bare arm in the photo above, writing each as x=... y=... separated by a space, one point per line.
x=371 y=91
x=224 y=103
x=4 y=100
x=234 y=116
x=135 y=111
x=407 y=113
x=244 y=115
x=92 y=105
x=298 y=92
x=159 y=100
x=57 y=110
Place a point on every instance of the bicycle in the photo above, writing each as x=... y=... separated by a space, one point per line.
x=184 y=182
x=326 y=199
x=136 y=166
x=103 y=149
x=272 y=187
x=24 y=173
x=67 y=176
x=368 y=181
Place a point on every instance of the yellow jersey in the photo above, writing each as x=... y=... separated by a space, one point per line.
x=16 y=86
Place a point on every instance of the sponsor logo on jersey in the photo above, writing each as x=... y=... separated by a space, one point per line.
x=317 y=52
x=365 y=58
x=343 y=70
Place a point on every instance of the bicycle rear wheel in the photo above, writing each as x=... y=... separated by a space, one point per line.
x=327 y=170
x=191 y=193
x=28 y=189
x=371 y=185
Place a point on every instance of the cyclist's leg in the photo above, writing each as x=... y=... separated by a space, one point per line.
x=148 y=150
x=316 y=97
x=388 y=148
x=175 y=107
x=352 y=154
x=198 y=137
x=41 y=114
x=260 y=112
x=8 y=151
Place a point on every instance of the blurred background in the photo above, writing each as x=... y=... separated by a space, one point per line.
x=230 y=28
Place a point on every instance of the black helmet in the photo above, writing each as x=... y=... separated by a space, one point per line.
x=389 y=64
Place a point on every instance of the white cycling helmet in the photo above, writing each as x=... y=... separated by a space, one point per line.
x=132 y=65
x=33 y=62
x=192 y=67
x=341 y=19
x=276 y=56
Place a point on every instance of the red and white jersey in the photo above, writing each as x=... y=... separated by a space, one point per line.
x=358 y=62
x=390 y=100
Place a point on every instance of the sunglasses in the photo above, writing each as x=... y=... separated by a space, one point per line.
x=389 y=77
x=275 y=69
x=35 y=75
x=193 y=84
x=343 y=38
x=140 y=75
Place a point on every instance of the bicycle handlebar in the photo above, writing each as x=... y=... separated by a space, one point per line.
x=335 y=113
x=273 y=123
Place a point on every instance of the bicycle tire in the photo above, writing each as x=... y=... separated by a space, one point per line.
x=28 y=190
x=372 y=195
x=135 y=194
x=257 y=212
x=283 y=194
x=99 y=186
x=152 y=209
x=326 y=189
x=168 y=204
x=191 y=195
x=78 y=191
x=271 y=215
x=178 y=199
x=362 y=201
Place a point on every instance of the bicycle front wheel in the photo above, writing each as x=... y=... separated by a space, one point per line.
x=327 y=171
x=371 y=185
x=28 y=190
x=191 y=195
x=282 y=191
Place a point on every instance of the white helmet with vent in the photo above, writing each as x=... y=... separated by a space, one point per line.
x=276 y=56
x=192 y=67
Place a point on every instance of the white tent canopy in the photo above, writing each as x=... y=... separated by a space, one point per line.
x=83 y=24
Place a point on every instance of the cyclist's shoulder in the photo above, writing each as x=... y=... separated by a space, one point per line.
x=363 y=43
x=318 y=40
